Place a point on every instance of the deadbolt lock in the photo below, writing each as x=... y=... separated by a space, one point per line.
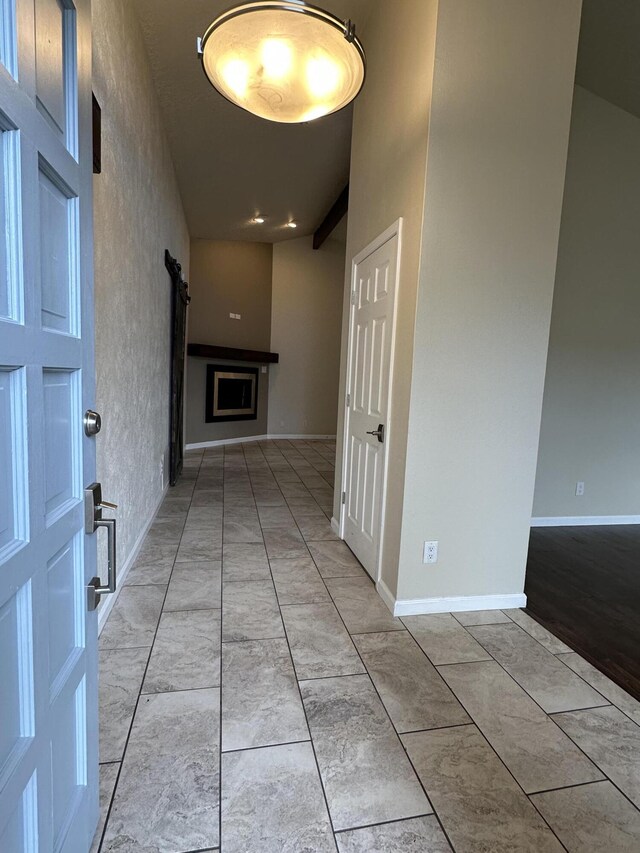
x=92 y=423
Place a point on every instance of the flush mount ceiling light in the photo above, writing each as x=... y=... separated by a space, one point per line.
x=258 y=219
x=292 y=224
x=283 y=61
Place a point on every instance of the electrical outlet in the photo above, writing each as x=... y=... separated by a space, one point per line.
x=430 y=552
x=579 y=489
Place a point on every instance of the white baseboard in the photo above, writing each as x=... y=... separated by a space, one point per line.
x=386 y=595
x=251 y=438
x=108 y=601
x=454 y=604
x=302 y=437
x=200 y=444
x=335 y=526
x=583 y=520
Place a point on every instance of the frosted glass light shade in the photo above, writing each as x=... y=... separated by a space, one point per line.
x=283 y=61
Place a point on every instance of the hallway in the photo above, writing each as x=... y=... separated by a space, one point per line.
x=249 y=645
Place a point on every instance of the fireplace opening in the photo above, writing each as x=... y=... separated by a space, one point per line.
x=232 y=393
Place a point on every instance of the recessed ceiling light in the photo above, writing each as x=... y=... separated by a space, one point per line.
x=258 y=220
x=292 y=224
x=283 y=60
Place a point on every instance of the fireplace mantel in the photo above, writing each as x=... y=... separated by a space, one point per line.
x=232 y=354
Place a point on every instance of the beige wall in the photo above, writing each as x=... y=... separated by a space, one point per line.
x=227 y=278
x=306 y=318
x=388 y=163
x=591 y=412
x=497 y=153
x=138 y=214
x=230 y=278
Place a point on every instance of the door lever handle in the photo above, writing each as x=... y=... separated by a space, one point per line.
x=378 y=432
x=93 y=506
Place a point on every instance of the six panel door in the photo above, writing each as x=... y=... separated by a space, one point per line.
x=48 y=656
x=369 y=373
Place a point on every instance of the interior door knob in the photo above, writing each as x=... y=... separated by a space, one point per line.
x=378 y=432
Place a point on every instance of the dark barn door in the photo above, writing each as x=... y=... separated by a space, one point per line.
x=179 y=300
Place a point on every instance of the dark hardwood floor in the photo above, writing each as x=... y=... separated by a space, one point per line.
x=583 y=583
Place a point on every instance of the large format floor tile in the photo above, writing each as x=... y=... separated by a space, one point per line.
x=108 y=775
x=591 y=817
x=298 y=581
x=132 y=622
x=360 y=606
x=242 y=561
x=275 y=516
x=203 y=517
x=534 y=749
x=413 y=692
x=481 y=807
x=544 y=637
x=167 y=794
x=206 y=498
x=176 y=508
x=260 y=699
x=335 y=560
x=165 y=529
x=616 y=695
x=272 y=802
x=610 y=739
x=416 y=835
x=320 y=644
x=121 y=674
x=481 y=617
x=365 y=772
x=284 y=543
x=443 y=639
x=154 y=563
x=195 y=586
x=316 y=529
x=247 y=530
x=186 y=653
x=539 y=672
x=250 y=612
x=318 y=679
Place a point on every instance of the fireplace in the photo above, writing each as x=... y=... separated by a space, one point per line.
x=232 y=393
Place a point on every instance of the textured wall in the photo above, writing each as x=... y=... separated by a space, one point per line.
x=306 y=319
x=228 y=278
x=591 y=407
x=138 y=214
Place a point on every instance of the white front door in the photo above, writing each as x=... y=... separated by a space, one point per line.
x=367 y=419
x=48 y=639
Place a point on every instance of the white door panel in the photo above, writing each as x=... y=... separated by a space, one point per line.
x=370 y=342
x=48 y=639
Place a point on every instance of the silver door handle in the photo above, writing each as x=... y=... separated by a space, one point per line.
x=93 y=506
x=379 y=432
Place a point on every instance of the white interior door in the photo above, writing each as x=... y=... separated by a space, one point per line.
x=48 y=658
x=368 y=398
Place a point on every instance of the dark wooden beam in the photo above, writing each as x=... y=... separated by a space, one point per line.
x=332 y=218
x=232 y=354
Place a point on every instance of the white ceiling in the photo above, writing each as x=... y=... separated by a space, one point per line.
x=230 y=164
x=609 y=51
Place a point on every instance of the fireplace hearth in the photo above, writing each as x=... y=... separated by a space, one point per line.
x=232 y=393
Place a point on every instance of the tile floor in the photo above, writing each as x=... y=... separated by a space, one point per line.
x=257 y=696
